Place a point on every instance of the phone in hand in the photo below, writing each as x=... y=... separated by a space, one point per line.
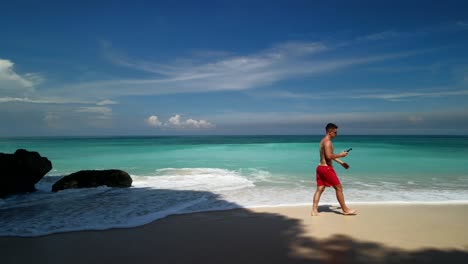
x=348 y=150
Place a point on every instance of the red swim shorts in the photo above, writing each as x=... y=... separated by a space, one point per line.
x=326 y=175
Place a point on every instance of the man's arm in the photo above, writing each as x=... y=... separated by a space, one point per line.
x=344 y=164
x=329 y=152
x=338 y=160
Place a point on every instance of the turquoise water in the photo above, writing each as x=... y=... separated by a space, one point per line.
x=173 y=175
x=389 y=157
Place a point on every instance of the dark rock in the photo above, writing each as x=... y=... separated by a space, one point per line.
x=19 y=172
x=93 y=178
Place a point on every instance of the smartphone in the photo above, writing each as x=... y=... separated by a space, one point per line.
x=348 y=150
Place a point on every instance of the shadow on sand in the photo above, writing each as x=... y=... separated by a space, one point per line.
x=234 y=236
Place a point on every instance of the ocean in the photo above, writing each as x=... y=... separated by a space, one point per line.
x=178 y=175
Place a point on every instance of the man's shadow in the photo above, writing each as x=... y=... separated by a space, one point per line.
x=330 y=209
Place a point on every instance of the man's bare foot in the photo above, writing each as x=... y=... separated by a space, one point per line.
x=314 y=213
x=350 y=212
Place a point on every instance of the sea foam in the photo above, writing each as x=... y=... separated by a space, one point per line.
x=172 y=191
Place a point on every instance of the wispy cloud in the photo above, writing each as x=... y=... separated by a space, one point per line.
x=432 y=68
x=107 y=102
x=121 y=59
x=463 y=24
x=291 y=95
x=388 y=35
x=96 y=112
x=226 y=72
x=378 y=37
x=381 y=36
x=39 y=100
x=241 y=72
x=96 y=109
x=378 y=94
x=298 y=48
x=406 y=95
x=349 y=119
x=52 y=120
x=22 y=88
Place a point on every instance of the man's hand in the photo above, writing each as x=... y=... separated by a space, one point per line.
x=345 y=165
x=343 y=154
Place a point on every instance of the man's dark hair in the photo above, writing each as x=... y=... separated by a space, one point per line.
x=330 y=126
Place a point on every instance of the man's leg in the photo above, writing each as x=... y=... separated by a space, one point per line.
x=317 y=195
x=340 y=198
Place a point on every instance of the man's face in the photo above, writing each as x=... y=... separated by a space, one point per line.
x=333 y=132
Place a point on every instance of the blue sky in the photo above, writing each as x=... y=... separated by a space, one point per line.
x=233 y=67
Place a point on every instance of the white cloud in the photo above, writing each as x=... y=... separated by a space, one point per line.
x=14 y=84
x=176 y=122
x=199 y=123
x=153 y=121
x=7 y=74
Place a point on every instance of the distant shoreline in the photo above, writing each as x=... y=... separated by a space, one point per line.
x=229 y=135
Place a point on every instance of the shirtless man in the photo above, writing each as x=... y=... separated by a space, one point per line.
x=326 y=175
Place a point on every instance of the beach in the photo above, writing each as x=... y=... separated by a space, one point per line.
x=182 y=175
x=380 y=233
x=242 y=200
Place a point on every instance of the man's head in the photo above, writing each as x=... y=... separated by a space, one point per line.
x=331 y=130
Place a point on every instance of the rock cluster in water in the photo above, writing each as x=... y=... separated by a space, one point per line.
x=93 y=178
x=19 y=173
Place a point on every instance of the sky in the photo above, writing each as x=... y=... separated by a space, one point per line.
x=121 y=68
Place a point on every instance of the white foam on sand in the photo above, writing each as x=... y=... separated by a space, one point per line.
x=183 y=190
x=169 y=191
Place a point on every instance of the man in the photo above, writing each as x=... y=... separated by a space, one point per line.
x=326 y=175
